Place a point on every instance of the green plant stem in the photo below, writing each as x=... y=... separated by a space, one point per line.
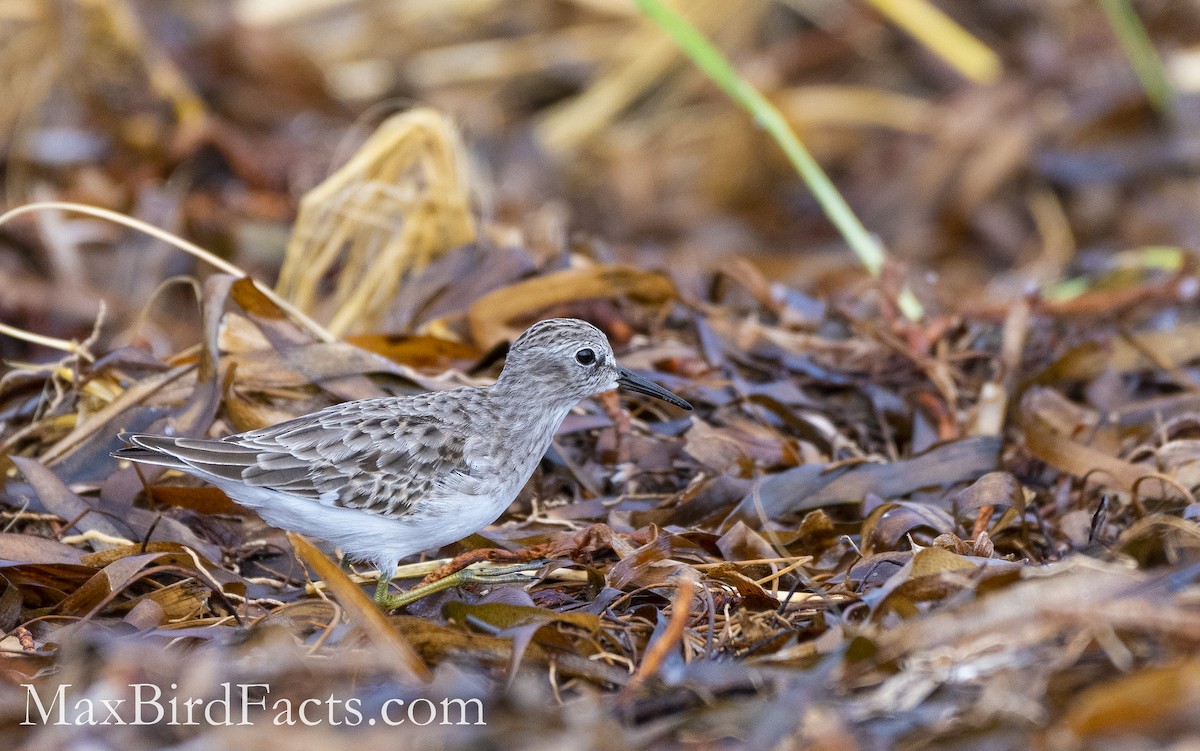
x=710 y=60
x=1136 y=44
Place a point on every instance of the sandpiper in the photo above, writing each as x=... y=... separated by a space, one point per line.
x=383 y=479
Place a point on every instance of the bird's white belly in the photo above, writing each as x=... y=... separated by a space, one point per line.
x=433 y=523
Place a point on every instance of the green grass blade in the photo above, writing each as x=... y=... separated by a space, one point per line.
x=713 y=62
x=1144 y=59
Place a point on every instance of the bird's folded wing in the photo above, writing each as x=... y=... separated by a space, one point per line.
x=379 y=463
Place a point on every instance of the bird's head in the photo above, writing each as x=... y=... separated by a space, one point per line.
x=569 y=360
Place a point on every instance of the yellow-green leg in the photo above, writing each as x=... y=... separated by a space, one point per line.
x=500 y=575
x=381 y=588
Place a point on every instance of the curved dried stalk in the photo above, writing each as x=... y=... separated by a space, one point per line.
x=188 y=247
x=64 y=345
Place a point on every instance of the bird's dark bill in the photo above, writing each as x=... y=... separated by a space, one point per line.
x=634 y=382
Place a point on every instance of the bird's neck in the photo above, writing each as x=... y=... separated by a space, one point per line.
x=531 y=418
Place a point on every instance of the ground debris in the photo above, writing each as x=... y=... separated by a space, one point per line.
x=976 y=530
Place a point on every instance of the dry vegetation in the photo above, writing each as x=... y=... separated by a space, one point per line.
x=978 y=530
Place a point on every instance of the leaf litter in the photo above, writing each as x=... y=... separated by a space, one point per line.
x=977 y=530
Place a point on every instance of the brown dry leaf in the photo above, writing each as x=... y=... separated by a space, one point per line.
x=889 y=523
x=741 y=543
x=1076 y=591
x=335 y=366
x=249 y=412
x=930 y=574
x=438 y=643
x=992 y=489
x=810 y=486
x=738 y=446
x=1160 y=539
x=714 y=448
x=669 y=632
x=26 y=548
x=314 y=363
x=641 y=566
x=1068 y=455
x=425 y=352
x=1173 y=348
x=204 y=500
x=181 y=556
x=494 y=318
x=1087 y=360
x=180 y=600
x=120 y=567
x=1151 y=701
x=595 y=538
x=522 y=624
x=447 y=287
x=1180 y=459
x=750 y=593
x=145 y=615
x=56 y=498
x=10 y=607
x=504 y=616
x=109 y=580
x=982 y=546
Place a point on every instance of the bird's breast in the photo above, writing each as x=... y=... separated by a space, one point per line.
x=513 y=451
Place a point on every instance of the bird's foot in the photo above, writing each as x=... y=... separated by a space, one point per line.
x=516 y=573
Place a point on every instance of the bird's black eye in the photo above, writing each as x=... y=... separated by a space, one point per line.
x=585 y=356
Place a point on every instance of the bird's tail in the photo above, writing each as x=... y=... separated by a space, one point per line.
x=149 y=449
